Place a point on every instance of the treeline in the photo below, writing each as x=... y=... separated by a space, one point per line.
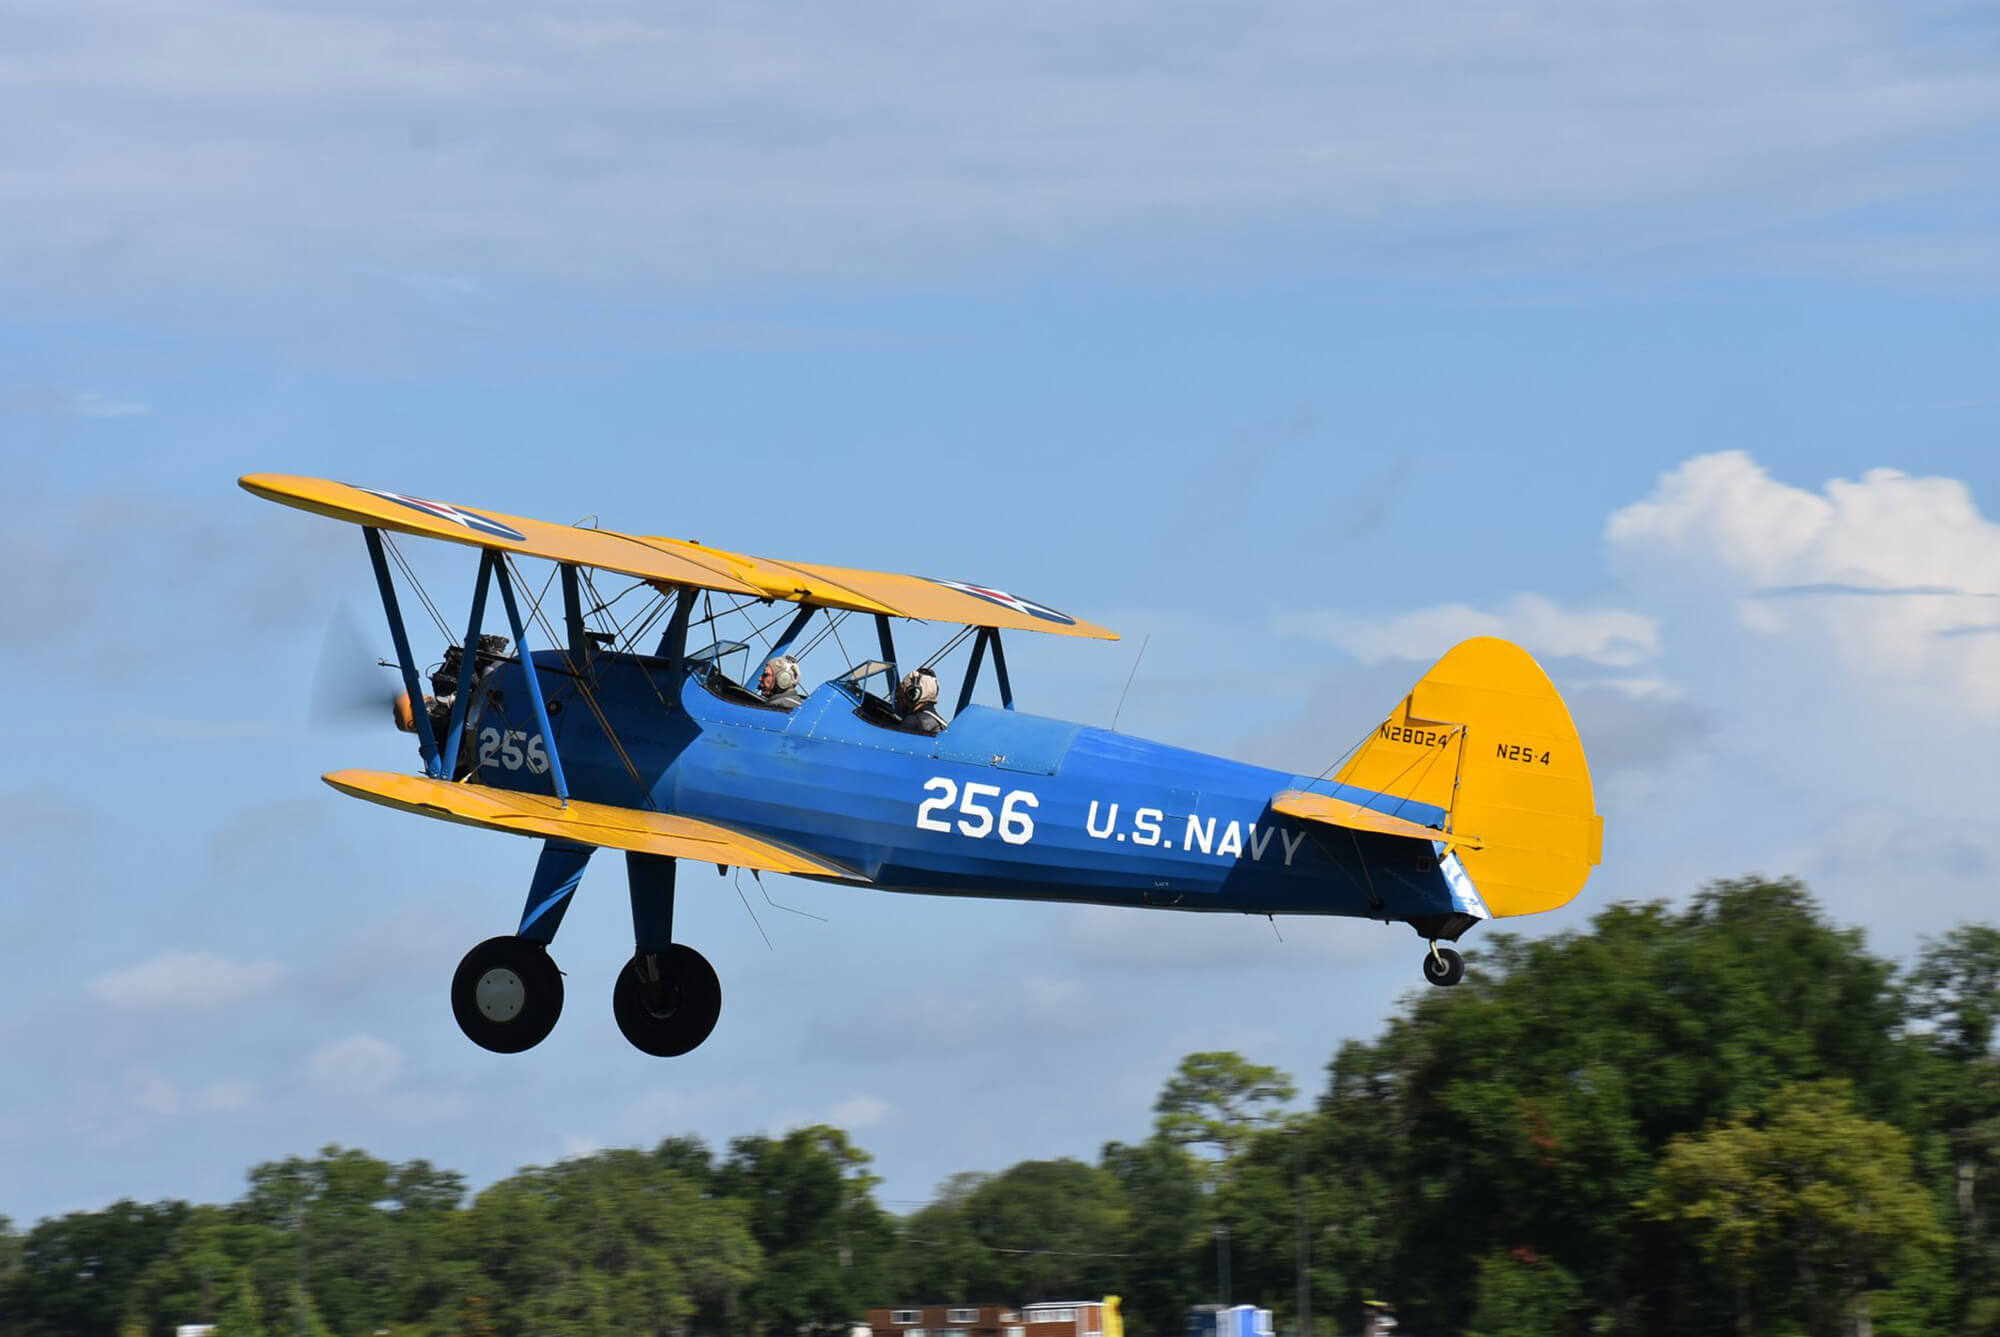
x=1728 y=1117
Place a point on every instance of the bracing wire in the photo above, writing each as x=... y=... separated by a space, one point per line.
x=758 y=878
x=738 y=881
x=735 y=608
x=603 y=605
x=788 y=612
x=834 y=627
x=654 y=609
x=582 y=680
x=832 y=617
x=423 y=595
x=949 y=646
x=553 y=568
x=1128 y=681
x=1402 y=800
x=618 y=632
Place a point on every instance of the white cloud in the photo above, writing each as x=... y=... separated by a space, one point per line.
x=220 y=1097
x=247 y=147
x=858 y=1112
x=1896 y=577
x=185 y=981
x=152 y=1091
x=359 y=1066
x=1613 y=637
x=91 y=404
x=654 y=1114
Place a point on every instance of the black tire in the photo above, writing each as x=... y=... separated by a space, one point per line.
x=694 y=1001
x=1444 y=967
x=507 y=995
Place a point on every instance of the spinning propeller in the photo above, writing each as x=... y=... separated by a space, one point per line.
x=351 y=686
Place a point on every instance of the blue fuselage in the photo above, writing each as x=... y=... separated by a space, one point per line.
x=1000 y=804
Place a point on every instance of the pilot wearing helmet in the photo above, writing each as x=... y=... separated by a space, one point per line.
x=916 y=697
x=778 y=684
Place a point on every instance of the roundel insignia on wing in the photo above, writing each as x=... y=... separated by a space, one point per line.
x=458 y=515
x=1006 y=600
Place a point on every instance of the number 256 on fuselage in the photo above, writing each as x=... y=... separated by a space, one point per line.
x=1470 y=800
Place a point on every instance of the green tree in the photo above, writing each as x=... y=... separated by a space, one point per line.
x=361 y=1236
x=615 y=1243
x=1217 y=1100
x=1954 y=992
x=1722 y=1184
x=687 y=1156
x=1828 y=1192
x=197 y=1276
x=302 y=1315
x=827 y=1246
x=10 y=1251
x=1521 y=1295
x=1527 y=1108
x=77 y=1272
x=1050 y=1230
x=243 y=1316
x=938 y=1255
x=1357 y=1154
x=1166 y=1229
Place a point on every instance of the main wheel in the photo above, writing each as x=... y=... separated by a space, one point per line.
x=1443 y=966
x=680 y=1015
x=507 y=995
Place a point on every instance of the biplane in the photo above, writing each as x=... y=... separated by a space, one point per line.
x=1470 y=800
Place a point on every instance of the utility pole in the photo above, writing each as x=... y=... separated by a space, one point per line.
x=1222 y=1261
x=1305 y=1238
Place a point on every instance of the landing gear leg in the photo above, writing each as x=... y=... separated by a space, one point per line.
x=507 y=993
x=667 y=997
x=1443 y=966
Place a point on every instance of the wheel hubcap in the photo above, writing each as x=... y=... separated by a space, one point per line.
x=500 y=994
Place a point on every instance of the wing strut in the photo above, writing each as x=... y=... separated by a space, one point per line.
x=1000 y=669
x=888 y=653
x=579 y=639
x=426 y=739
x=530 y=672
x=468 y=666
x=972 y=672
x=790 y=634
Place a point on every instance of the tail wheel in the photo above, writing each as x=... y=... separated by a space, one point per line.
x=673 y=1015
x=507 y=995
x=1443 y=966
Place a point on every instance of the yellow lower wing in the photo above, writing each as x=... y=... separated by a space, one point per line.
x=585 y=823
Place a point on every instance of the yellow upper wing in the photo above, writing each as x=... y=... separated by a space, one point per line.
x=924 y=597
x=585 y=823
x=603 y=548
x=676 y=561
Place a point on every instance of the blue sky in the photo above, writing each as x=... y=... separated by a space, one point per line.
x=1301 y=341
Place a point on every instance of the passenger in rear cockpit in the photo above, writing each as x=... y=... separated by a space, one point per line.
x=778 y=684
x=916 y=698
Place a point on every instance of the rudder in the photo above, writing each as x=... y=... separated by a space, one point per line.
x=1486 y=737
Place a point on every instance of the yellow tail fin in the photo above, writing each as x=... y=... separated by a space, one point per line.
x=1485 y=736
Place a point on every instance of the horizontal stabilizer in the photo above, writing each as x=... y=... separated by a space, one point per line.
x=1339 y=812
x=584 y=823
